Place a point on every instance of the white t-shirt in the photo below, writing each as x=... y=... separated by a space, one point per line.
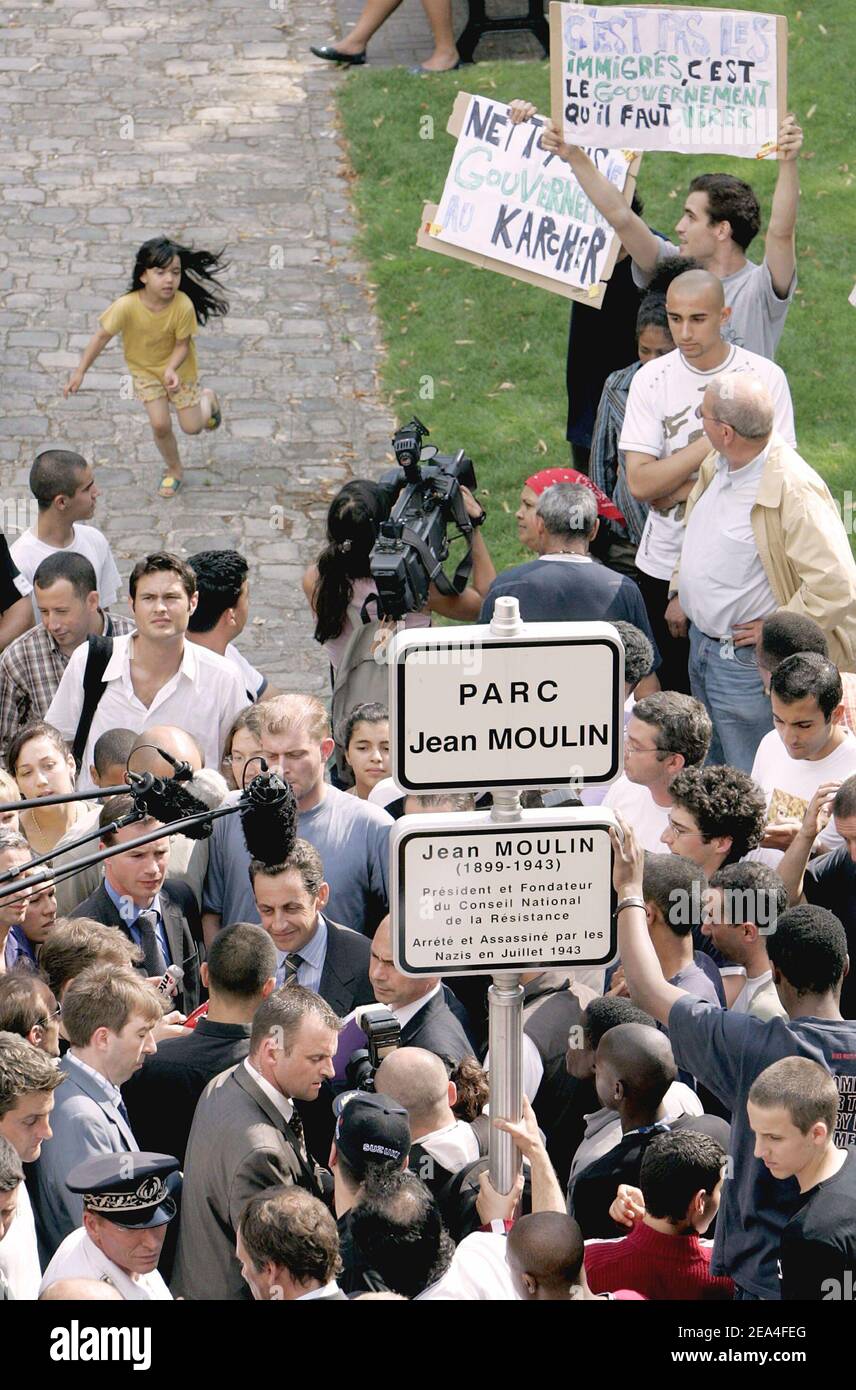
x=774 y=770
x=79 y=1258
x=640 y=810
x=254 y=681
x=748 y=992
x=19 y=1251
x=478 y=1272
x=663 y=417
x=28 y=552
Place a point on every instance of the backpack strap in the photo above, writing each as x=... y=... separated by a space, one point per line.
x=481 y=1129
x=98 y=656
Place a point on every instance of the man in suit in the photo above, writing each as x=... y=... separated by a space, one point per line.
x=108 y=1017
x=158 y=915
x=248 y=1137
x=288 y=1246
x=419 y=1004
x=310 y=949
x=162 y=1096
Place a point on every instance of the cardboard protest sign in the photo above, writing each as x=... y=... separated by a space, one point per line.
x=510 y=207
x=693 y=81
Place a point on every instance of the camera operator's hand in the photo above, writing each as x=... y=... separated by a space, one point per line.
x=471 y=506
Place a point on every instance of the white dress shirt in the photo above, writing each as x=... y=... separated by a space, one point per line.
x=312 y=956
x=79 y=1258
x=722 y=580
x=282 y=1103
x=204 y=697
x=406 y=1012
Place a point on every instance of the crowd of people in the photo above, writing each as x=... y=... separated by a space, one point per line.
x=189 y=1103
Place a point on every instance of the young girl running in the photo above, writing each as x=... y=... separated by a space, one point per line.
x=173 y=289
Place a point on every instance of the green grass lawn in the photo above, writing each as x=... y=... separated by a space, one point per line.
x=494 y=348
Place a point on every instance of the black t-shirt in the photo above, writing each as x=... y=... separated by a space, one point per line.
x=819 y=1242
x=830 y=881
x=599 y=342
x=727 y=1051
x=9 y=591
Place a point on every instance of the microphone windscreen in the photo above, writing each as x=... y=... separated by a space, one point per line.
x=168 y=801
x=270 y=824
x=209 y=786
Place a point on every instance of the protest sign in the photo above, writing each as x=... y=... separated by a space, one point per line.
x=511 y=207
x=692 y=81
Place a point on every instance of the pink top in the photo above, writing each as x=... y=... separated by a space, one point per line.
x=335 y=647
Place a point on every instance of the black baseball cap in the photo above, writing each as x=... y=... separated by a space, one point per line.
x=372 y=1129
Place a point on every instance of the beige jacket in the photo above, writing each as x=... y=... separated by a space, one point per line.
x=802 y=544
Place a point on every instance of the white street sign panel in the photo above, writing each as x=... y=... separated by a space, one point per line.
x=471 y=709
x=472 y=896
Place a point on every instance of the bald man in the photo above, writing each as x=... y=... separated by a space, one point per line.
x=418 y=1080
x=762 y=533
x=418 y=1002
x=634 y=1068
x=545 y=1259
x=664 y=443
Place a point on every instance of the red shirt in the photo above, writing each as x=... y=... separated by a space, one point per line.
x=656 y=1265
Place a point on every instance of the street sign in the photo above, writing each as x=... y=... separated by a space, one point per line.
x=472 y=896
x=471 y=708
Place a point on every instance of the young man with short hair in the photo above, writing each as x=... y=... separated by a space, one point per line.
x=29 y=1008
x=155 y=676
x=11 y=1182
x=222 y=612
x=156 y=913
x=726 y=1051
x=108 y=1016
x=31 y=668
x=746 y=901
x=784 y=634
x=666 y=732
x=808 y=747
x=63 y=485
x=28 y=1079
x=664 y=1257
x=793 y=1107
x=350 y=835
x=14 y=854
x=162 y=1096
x=717 y=816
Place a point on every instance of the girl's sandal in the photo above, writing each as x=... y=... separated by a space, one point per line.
x=169 y=486
x=216 y=417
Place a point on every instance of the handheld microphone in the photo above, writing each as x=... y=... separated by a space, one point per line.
x=167 y=802
x=269 y=818
x=174 y=975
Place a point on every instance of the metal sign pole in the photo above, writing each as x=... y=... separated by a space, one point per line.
x=505 y=996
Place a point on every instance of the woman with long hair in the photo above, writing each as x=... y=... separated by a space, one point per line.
x=341 y=579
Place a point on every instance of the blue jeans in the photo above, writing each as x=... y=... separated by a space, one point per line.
x=725 y=678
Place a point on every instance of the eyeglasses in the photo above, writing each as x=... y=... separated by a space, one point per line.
x=51 y=1018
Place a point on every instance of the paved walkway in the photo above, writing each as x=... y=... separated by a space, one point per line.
x=405 y=39
x=212 y=122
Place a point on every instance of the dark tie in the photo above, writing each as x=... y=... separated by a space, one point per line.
x=296 y=1125
x=152 y=953
x=292 y=964
x=120 y=1106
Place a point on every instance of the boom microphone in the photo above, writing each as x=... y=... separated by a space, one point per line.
x=269 y=820
x=166 y=802
x=182 y=772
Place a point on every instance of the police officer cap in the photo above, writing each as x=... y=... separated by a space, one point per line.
x=130 y=1189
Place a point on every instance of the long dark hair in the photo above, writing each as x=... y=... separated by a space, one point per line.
x=352 y=526
x=198 y=280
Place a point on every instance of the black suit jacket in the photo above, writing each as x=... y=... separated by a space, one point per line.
x=345 y=980
x=161 y=1097
x=181 y=919
x=435 y=1028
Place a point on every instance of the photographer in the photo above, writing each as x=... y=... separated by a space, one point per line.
x=342 y=578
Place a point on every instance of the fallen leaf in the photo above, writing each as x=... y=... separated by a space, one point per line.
x=505 y=386
x=822 y=30
x=541 y=447
x=378 y=121
x=464 y=342
x=505 y=507
x=810 y=112
x=526 y=346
